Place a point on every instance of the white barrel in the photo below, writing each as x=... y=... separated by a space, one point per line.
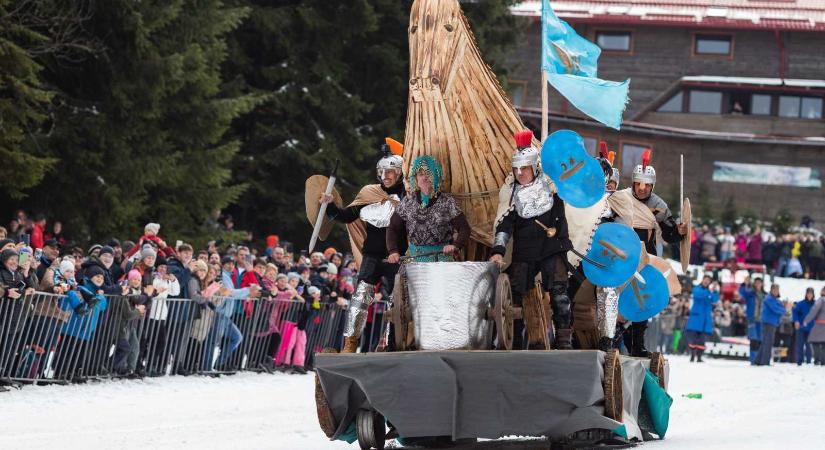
x=449 y=301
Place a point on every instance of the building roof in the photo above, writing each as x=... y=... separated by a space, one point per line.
x=752 y=81
x=799 y=15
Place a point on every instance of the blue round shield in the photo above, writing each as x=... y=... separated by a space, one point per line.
x=616 y=247
x=641 y=301
x=577 y=175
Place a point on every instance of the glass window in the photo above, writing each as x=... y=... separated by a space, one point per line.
x=788 y=106
x=705 y=102
x=591 y=145
x=761 y=105
x=613 y=41
x=713 y=44
x=811 y=108
x=631 y=157
x=672 y=105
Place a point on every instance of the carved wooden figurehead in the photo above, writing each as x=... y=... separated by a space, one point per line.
x=458 y=113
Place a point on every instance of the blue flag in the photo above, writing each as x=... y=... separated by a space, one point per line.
x=571 y=63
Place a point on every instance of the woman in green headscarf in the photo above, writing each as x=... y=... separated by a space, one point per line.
x=428 y=217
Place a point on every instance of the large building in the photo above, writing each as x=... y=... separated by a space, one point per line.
x=736 y=86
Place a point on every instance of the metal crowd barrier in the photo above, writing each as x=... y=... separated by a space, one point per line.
x=42 y=340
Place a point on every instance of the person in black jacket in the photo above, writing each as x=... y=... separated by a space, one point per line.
x=535 y=219
x=374 y=206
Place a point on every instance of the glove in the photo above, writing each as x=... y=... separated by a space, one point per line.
x=81 y=309
x=247 y=309
x=91 y=304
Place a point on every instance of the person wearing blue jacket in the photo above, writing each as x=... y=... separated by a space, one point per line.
x=772 y=311
x=753 y=295
x=224 y=329
x=78 y=331
x=700 y=323
x=804 y=349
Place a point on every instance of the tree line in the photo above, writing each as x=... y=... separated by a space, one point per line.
x=117 y=112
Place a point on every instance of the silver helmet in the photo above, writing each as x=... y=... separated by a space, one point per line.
x=525 y=154
x=391 y=159
x=615 y=177
x=644 y=172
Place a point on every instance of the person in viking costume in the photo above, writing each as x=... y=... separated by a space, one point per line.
x=368 y=217
x=648 y=215
x=532 y=214
x=428 y=218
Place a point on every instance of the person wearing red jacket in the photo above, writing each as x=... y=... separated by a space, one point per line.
x=38 y=232
x=150 y=233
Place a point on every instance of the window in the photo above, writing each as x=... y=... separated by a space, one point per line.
x=631 y=157
x=614 y=41
x=811 y=108
x=788 y=106
x=761 y=105
x=591 y=145
x=672 y=105
x=705 y=102
x=713 y=44
x=517 y=90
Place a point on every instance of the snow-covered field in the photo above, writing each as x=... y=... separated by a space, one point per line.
x=743 y=407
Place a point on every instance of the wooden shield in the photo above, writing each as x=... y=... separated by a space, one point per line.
x=684 y=246
x=315 y=186
x=674 y=287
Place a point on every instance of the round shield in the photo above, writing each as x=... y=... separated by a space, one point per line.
x=616 y=249
x=314 y=187
x=577 y=175
x=641 y=301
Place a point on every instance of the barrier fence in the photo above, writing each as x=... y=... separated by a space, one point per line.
x=43 y=340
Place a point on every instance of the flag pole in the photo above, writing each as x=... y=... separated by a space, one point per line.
x=544 y=106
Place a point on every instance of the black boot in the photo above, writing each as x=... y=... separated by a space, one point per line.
x=699 y=355
x=560 y=304
x=634 y=340
x=692 y=355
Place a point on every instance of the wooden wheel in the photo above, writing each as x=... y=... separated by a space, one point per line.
x=399 y=314
x=613 y=392
x=371 y=429
x=534 y=314
x=657 y=367
x=325 y=417
x=503 y=312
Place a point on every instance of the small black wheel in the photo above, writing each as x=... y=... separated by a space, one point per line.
x=371 y=429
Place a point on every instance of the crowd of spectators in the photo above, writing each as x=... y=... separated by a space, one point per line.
x=800 y=254
x=149 y=273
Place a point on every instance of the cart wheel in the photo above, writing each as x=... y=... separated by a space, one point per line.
x=325 y=417
x=371 y=429
x=398 y=313
x=657 y=367
x=613 y=393
x=503 y=312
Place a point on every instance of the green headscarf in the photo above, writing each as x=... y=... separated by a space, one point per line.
x=432 y=169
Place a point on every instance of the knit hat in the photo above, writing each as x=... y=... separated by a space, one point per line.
x=93 y=248
x=160 y=261
x=6 y=254
x=313 y=290
x=93 y=271
x=227 y=259
x=281 y=277
x=332 y=269
x=66 y=266
x=329 y=252
x=199 y=265
x=293 y=276
x=152 y=227
x=148 y=251
x=107 y=249
x=134 y=275
x=5 y=242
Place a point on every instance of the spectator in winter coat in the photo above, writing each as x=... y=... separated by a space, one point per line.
x=150 y=234
x=804 y=349
x=667 y=323
x=38 y=232
x=56 y=233
x=104 y=261
x=153 y=344
x=772 y=312
x=755 y=247
x=816 y=317
x=81 y=327
x=132 y=310
x=727 y=245
x=13 y=288
x=741 y=247
x=753 y=295
x=700 y=322
x=50 y=254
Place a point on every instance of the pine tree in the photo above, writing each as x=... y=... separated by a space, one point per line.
x=23 y=101
x=140 y=129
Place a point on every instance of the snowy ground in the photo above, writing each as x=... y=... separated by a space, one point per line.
x=743 y=407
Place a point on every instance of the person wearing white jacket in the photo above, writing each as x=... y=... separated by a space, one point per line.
x=154 y=333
